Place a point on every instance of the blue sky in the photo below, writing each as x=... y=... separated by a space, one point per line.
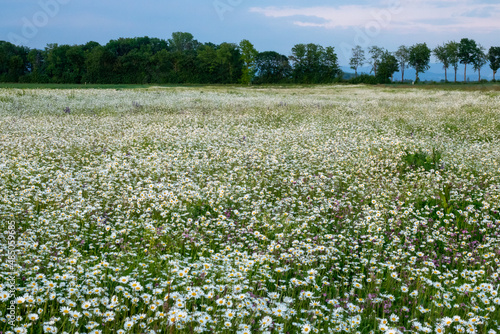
x=269 y=25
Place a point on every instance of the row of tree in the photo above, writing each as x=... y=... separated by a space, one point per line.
x=180 y=59
x=384 y=63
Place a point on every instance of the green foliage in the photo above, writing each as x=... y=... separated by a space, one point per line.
x=468 y=53
x=272 y=67
x=182 y=59
x=13 y=62
x=357 y=59
x=453 y=58
x=467 y=50
x=376 y=54
x=387 y=66
x=364 y=79
x=421 y=159
x=403 y=57
x=443 y=55
x=248 y=55
x=420 y=56
x=494 y=59
x=313 y=63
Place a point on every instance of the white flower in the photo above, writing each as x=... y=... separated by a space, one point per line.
x=306 y=328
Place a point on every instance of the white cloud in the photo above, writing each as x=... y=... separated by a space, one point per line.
x=393 y=15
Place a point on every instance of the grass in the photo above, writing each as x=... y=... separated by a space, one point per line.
x=449 y=86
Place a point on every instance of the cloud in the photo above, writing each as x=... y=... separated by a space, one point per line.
x=405 y=16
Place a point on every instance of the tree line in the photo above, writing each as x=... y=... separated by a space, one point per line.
x=178 y=60
x=183 y=60
x=384 y=63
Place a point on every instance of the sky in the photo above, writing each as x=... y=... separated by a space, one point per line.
x=270 y=25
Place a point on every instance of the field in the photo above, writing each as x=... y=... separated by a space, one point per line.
x=328 y=209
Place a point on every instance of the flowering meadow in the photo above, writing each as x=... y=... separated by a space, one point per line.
x=250 y=210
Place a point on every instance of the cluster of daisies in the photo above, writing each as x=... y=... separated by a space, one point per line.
x=247 y=210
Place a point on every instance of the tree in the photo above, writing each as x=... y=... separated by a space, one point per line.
x=272 y=67
x=403 y=56
x=182 y=41
x=387 y=66
x=162 y=67
x=480 y=60
x=467 y=53
x=299 y=61
x=357 y=59
x=229 y=58
x=420 y=56
x=13 y=62
x=442 y=54
x=35 y=64
x=207 y=61
x=100 y=65
x=248 y=54
x=313 y=63
x=452 y=50
x=375 y=55
x=494 y=59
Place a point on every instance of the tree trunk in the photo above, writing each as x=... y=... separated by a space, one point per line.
x=402 y=74
x=455 y=75
x=494 y=72
x=416 y=79
x=445 y=74
x=356 y=72
x=479 y=71
x=465 y=72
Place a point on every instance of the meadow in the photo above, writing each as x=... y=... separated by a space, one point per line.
x=325 y=209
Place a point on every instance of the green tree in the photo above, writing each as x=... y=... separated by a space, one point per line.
x=330 y=65
x=13 y=62
x=494 y=59
x=453 y=58
x=403 y=57
x=442 y=54
x=207 y=62
x=162 y=65
x=480 y=60
x=229 y=58
x=420 y=56
x=248 y=55
x=387 y=66
x=376 y=54
x=100 y=64
x=36 y=66
x=134 y=67
x=272 y=67
x=182 y=41
x=56 y=61
x=313 y=63
x=357 y=59
x=300 y=62
x=467 y=53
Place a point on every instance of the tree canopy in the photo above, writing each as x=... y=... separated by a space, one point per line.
x=420 y=56
x=181 y=59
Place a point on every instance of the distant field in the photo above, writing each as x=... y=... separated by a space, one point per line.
x=225 y=209
x=471 y=86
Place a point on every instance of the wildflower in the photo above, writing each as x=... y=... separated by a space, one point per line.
x=266 y=322
x=128 y=325
x=306 y=328
x=439 y=329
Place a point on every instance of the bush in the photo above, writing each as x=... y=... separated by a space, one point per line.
x=364 y=79
x=422 y=159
